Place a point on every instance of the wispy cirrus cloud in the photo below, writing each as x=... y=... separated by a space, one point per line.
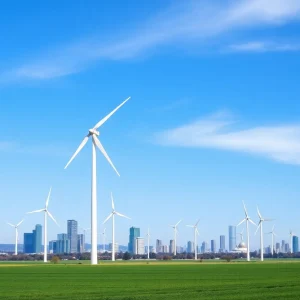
x=280 y=143
x=264 y=46
x=188 y=21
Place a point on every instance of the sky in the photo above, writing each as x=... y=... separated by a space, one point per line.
x=213 y=118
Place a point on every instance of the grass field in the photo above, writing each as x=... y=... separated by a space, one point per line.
x=166 y=280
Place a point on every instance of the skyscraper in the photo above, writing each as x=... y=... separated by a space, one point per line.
x=72 y=235
x=139 y=246
x=222 y=243
x=28 y=243
x=63 y=243
x=295 y=244
x=134 y=233
x=159 y=246
x=232 y=238
x=213 y=246
x=190 y=247
x=283 y=246
x=172 y=247
x=37 y=239
x=80 y=243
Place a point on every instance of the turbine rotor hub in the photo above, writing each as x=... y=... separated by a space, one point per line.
x=94 y=131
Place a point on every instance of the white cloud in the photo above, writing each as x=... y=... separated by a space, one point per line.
x=280 y=143
x=263 y=46
x=187 y=21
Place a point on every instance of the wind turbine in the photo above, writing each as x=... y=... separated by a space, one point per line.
x=96 y=143
x=260 y=225
x=241 y=235
x=247 y=220
x=196 y=232
x=16 y=229
x=84 y=233
x=273 y=234
x=112 y=215
x=46 y=214
x=148 y=237
x=104 y=236
x=291 y=240
x=175 y=236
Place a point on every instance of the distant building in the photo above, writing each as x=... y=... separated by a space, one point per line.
x=213 y=246
x=139 y=246
x=190 y=247
x=63 y=243
x=172 y=247
x=278 y=247
x=204 y=247
x=33 y=241
x=295 y=244
x=232 y=238
x=80 y=243
x=165 y=249
x=134 y=233
x=222 y=243
x=283 y=246
x=116 y=247
x=179 y=249
x=159 y=246
x=72 y=235
x=286 y=248
x=52 y=247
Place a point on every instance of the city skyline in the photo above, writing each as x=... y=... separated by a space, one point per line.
x=212 y=120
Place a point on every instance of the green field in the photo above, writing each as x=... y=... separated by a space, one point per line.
x=166 y=280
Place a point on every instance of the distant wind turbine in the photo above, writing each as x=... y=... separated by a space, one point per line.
x=196 y=232
x=112 y=215
x=273 y=235
x=96 y=143
x=291 y=240
x=260 y=225
x=46 y=214
x=247 y=220
x=241 y=235
x=104 y=236
x=84 y=234
x=17 y=234
x=148 y=238
x=175 y=236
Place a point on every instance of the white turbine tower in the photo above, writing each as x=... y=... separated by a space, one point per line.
x=46 y=214
x=175 y=236
x=247 y=220
x=17 y=235
x=112 y=215
x=96 y=143
x=291 y=240
x=196 y=232
x=260 y=225
x=148 y=238
x=273 y=235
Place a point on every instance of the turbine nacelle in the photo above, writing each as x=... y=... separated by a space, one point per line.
x=93 y=131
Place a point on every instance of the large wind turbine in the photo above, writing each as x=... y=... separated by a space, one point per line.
x=46 y=214
x=291 y=240
x=260 y=225
x=175 y=236
x=16 y=229
x=196 y=232
x=247 y=220
x=148 y=238
x=273 y=235
x=96 y=143
x=112 y=215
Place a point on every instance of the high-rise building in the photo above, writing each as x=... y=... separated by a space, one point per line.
x=134 y=233
x=33 y=241
x=283 y=246
x=222 y=243
x=52 y=247
x=213 y=246
x=190 y=247
x=277 y=247
x=232 y=238
x=172 y=246
x=72 y=235
x=63 y=243
x=165 y=249
x=139 y=246
x=295 y=244
x=204 y=247
x=80 y=243
x=159 y=246
x=286 y=248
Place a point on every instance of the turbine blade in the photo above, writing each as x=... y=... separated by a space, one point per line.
x=20 y=223
x=122 y=216
x=252 y=222
x=36 y=211
x=241 y=223
x=101 y=122
x=11 y=225
x=112 y=201
x=178 y=223
x=50 y=215
x=78 y=150
x=259 y=224
x=268 y=220
x=197 y=223
x=99 y=145
x=107 y=218
x=197 y=231
x=245 y=209
x=192 y=226
x=259 y=213
x=48 y=198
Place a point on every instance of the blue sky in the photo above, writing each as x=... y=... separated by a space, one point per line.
x=213 y=118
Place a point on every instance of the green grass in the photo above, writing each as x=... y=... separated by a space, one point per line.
x=139 y=280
